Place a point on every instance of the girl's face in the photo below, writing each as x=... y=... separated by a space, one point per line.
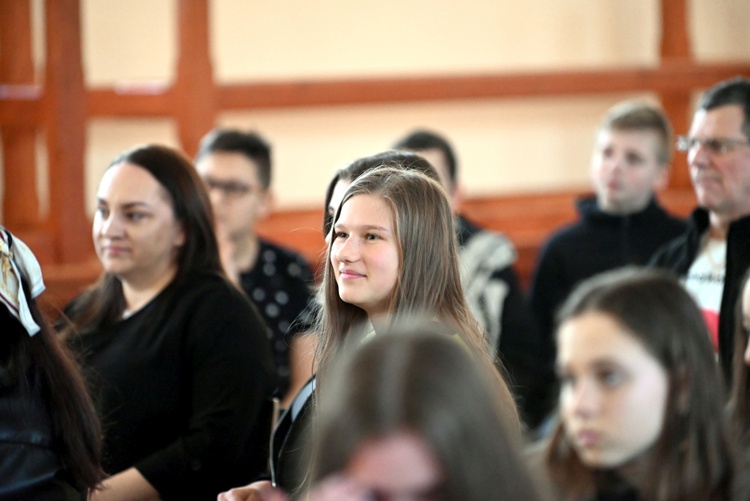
x=613 y=392
x=746 y=318
x=364 y=254
x=135 y=232
x=397 y=467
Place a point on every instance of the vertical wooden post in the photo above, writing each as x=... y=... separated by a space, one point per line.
x=194 y=93
x=65 y=119
x=675 y=48
x=20 y=199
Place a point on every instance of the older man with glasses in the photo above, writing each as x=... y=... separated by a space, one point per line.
x=714 y=252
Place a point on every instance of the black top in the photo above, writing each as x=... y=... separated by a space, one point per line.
x=279 y=284
x=597 y=242
x=30 y=466
x=679 y=254
x=180 y=386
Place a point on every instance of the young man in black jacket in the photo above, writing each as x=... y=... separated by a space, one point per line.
x=621 y=224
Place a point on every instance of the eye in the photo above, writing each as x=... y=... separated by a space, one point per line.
x=633 y=159
x=566 y=379
x=371 y=236
x=610 y=377
x=340 y=234
x=135 y=216
x=102 y=212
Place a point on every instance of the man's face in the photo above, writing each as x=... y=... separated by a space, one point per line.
x=237 y=197
x=437 y=160
x=721 y=179
x=625 y=169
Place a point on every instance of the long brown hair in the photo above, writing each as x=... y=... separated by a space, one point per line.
x=428 y=282
x=694 y=457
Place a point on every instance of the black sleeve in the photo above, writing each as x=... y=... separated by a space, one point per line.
x=230 y=376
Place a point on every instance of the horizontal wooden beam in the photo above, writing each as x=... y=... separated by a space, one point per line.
x=131 y=101
x=20 y=105
x=668 y=77
x=156 y=100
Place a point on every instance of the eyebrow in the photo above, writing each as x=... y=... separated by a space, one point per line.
x=364 y=227
x=127 y=205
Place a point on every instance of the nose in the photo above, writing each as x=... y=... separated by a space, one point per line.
x=347 y=250
x=110 y=226
x=585 y=399
x=699 y=156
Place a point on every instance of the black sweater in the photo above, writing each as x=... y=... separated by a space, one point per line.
x=180 y=385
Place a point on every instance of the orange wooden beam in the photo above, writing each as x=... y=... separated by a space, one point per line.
x=670 y=77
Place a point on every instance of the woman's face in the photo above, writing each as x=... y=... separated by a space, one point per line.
x=746 y=318
x=364 y=254
x=337 y=195
x=135 y=232
x=613 y=392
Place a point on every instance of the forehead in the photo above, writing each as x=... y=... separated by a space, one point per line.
x=724 y=121
x=366 y=209
x=401 y=464
x=594 y=336
x=131 y=180
x=228 y=164
x=338 y=193
x=644 y=140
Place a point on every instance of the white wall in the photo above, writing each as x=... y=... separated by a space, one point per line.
x=503 y=145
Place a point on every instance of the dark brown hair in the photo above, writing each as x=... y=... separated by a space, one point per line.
x=104 y=303
x=694 y=457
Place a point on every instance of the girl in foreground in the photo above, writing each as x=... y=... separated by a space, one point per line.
x=641 y=406
x=412 y=415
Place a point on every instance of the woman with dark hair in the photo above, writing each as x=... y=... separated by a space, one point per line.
x=641 y=401
x=177 y=357
x=412 y=414
x=50 y=437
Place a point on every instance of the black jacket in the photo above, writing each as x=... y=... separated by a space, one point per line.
x=680 y=253
x=596 y=243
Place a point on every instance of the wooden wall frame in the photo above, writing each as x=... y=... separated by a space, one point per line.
x=60 y=106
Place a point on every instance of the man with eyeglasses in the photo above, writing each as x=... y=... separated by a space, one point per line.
x=714 y=252
x=621 y=223
x=236 y=168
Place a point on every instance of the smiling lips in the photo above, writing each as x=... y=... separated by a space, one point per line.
x=346 y=274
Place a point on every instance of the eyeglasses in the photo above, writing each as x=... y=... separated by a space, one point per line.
x=230 y=189
x=715 y=145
